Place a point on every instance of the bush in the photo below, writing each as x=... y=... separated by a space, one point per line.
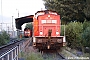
x=73 y=34
x=4 y=38
x=62 y=30
x=86 y=34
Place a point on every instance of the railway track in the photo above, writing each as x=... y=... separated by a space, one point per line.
x=60 y=55
x=52 y=55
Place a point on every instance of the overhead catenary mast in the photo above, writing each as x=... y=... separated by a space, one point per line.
x=18 y=12
x=1 y=15
x=12 y=28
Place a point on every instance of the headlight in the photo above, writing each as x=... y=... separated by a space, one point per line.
x=57 y=33
x=41 y=33
x=34 y=39
x=48 y=15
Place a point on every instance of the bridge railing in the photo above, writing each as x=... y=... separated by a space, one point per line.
x=14 y=52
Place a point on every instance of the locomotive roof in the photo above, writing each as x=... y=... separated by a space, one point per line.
x=45 y=11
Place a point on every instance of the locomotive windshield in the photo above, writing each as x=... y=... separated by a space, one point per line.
x=48 y=21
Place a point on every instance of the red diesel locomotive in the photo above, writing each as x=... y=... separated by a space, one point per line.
x=46 y=25
x=27 y=33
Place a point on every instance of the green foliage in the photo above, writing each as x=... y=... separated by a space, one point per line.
x=77 y=34
x=29 y=25
x=4 y=38
x=62 y=30
x=73 y=34
x=34 y=56
x=86 y=34
x=70 y=10
x=86 y=24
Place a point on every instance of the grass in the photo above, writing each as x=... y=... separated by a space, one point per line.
x=21 y=54
x=31 y=56
x=74 y=52
x=34 y=56
x=86 y=55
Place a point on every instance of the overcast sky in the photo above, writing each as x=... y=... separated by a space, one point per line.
x=11 y=7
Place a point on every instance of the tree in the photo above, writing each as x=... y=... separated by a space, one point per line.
x=87 y=10
x=4 y=38
x=62 y=30
x=86 y=34
x=29 y=25
x=69 y=10
x=73 y=34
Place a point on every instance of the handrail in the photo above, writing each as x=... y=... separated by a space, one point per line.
x=8 y=52
x=12 y=53
x=15 y=50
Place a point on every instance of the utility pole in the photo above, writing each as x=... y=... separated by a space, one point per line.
x=18 y=12
x=8 y=30
x=1 y=16
x=18 y=31
x=1 y=26
x=12 y=28
x=64 y=30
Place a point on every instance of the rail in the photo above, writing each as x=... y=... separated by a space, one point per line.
x=63 y=57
